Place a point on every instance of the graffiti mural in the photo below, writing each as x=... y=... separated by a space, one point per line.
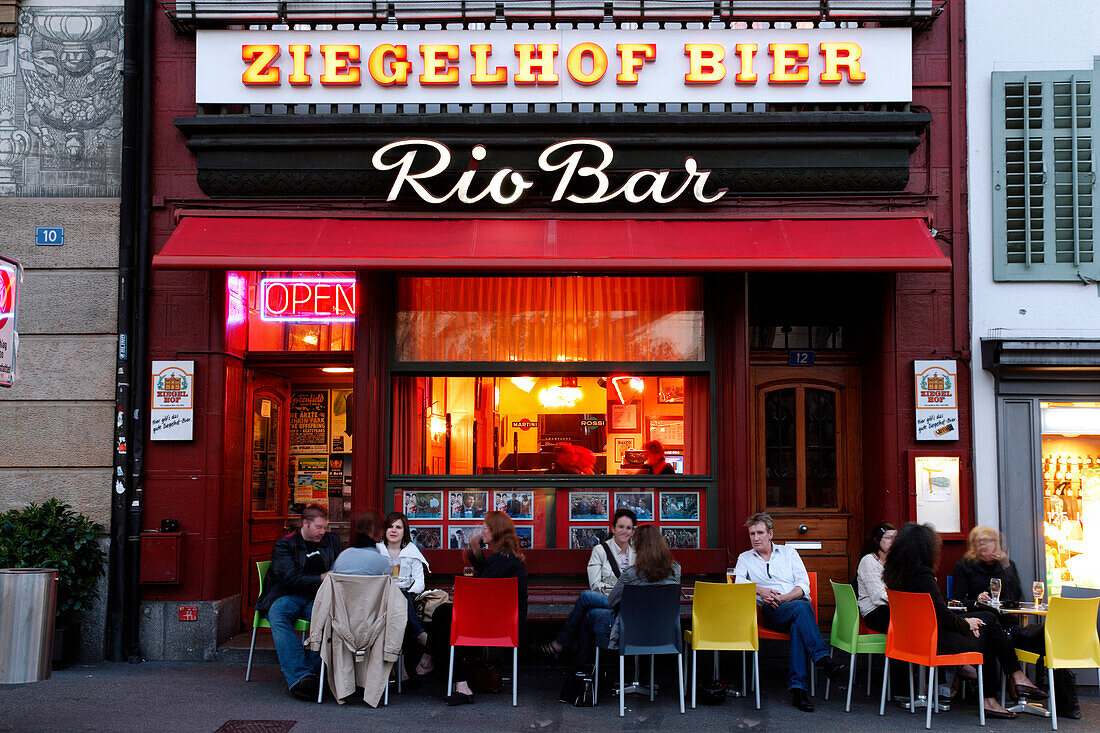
x=61 y=103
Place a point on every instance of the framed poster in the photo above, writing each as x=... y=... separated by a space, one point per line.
x=622 y=445
x=339 y=420
x=639 y=502
x=670 y=390
x=937 y=399
x=937 y=491
x=467 y=504
x=426 y=536
x=679 y=506
x=172 y=411
x=458 y=534
x=423 y=504
x=516 y=504
x=622 y=418
x=526 y=537
x=681 y=538
x=668 y=430
x=309 y=422
x=585 y=538
x=588 y=506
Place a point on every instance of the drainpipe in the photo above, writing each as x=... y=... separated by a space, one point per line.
x=131 y=370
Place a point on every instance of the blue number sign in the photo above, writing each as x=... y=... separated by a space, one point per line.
x=800 y=358
x=54 y=236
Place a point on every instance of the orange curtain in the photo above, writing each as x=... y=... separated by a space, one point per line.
x=696 y=418
x=523 y=319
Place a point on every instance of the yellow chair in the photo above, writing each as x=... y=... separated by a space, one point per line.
x=259 y=622
x=723 y=618
x=1071 y=640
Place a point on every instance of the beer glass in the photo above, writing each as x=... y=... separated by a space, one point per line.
x=731 y=575
x=995 y=591
x=1038 y=589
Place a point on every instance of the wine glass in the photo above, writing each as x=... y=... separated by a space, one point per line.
x=995 y=591
x=1038 y=589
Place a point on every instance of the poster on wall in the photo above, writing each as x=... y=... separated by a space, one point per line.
x=937 y=399
x=311 y=480
x=938 y=494
x=309 y=421
x=340 y=420
x=172 y=410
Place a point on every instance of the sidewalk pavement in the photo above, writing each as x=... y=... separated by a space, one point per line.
x=176 y=696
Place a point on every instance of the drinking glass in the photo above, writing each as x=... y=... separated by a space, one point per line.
x=995 y=591
x=731 y=576
x=1038 y=589
x=396 y=570
x=468 y=571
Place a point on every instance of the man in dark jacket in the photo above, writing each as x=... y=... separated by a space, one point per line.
x=299 y=563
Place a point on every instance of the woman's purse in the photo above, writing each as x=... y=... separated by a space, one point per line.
x=486 y=676
x=579 y=690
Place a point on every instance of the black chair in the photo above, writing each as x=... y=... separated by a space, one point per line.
x=649 y=623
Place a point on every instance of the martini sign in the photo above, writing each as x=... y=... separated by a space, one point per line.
x=11 y=275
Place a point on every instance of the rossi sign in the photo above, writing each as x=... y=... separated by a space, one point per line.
x=829 y=65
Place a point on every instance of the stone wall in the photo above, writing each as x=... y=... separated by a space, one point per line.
x=60 y=145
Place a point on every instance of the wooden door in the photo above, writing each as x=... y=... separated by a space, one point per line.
x=267 y=480
x=807 y=472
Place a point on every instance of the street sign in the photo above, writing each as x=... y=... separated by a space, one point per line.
x=50 y=236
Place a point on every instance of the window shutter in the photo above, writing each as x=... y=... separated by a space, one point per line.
x=1043 y=176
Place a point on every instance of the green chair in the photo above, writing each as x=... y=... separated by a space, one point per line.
x=259 y=622
x=846 y=637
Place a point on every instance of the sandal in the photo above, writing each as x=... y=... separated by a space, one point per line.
x=548 y=650
x=1029 y=691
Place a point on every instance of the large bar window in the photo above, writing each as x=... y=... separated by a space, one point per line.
x=550 y=319
x=518 y=425
x=1071 y=493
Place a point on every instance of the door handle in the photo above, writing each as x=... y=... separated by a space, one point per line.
x=803 y=529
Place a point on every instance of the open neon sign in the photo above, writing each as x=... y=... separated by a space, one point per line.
x=314 y=300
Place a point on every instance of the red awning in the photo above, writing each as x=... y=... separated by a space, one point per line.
x=261 y=243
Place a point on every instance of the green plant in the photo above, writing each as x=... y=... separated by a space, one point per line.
x=52 y=535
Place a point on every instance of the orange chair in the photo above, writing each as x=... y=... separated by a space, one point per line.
x=915 y=643
x=485 y=613
x=766 y=633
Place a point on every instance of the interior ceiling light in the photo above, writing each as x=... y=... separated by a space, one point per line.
x=525 y=383
x=560 y=396
x=338 y=370
x=438 y=426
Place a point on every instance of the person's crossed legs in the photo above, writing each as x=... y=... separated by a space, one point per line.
x=295 y=659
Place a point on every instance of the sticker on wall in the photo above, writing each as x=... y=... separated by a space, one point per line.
x=937 y=400
x=172 y=411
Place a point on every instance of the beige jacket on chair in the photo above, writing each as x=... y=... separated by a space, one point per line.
x=358 y=626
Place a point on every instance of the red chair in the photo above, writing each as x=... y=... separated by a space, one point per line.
x=769 y=634
x=915 y=616
x=485 y=613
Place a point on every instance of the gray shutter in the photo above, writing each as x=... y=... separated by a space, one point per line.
x=1043 y=176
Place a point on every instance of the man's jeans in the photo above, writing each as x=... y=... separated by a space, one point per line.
x=295 y=659
x=571 y=632
x=796 y=618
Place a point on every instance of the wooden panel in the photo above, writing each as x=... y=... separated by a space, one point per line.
x=828 y=568
x=819 y=528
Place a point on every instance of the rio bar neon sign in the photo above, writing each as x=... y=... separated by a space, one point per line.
x=308 y=299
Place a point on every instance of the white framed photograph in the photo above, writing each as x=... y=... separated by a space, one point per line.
x=679 y=506
x=467 y=504
x=516 y=504
x=588 y=506
x=458 y=534
x=639 y=502
x=526 y=536
x=681 y=538
x=422 y=504
x=427 y=536
x=585 y=538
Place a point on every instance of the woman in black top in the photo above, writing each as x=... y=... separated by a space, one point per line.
x=505 y=561
x=655 y=459
x=910 y=567
x=985 y=559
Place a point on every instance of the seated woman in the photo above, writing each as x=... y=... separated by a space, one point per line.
x=574 y=459
x=505 y=561
x=984 y=560
x=910 y=567
x=397 y=546
x=609 y=560
x=655 y=459
x=870 y=590
x=653 y=565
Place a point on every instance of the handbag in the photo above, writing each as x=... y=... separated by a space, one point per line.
x=578 y=690
x=486 y=676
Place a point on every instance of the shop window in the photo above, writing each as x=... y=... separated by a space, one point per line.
x=532 y=426
x=1043 y=176
x=291 y=311
x=1071 y=493
x=266 y=422
x=550 y=319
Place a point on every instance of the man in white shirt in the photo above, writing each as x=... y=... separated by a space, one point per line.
x=783 y=595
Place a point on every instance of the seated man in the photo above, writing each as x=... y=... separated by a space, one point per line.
x=783 y=594
x=299 y=563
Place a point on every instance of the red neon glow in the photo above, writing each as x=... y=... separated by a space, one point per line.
x=7 y=295
x=636 y=384
x=316 y=299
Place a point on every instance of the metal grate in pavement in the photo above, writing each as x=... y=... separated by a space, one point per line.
x=256 y=726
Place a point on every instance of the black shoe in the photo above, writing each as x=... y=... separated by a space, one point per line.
x=1006 y=715
x=459 y=699
x=306 y=688
x=835 y=671
x=801 y=700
